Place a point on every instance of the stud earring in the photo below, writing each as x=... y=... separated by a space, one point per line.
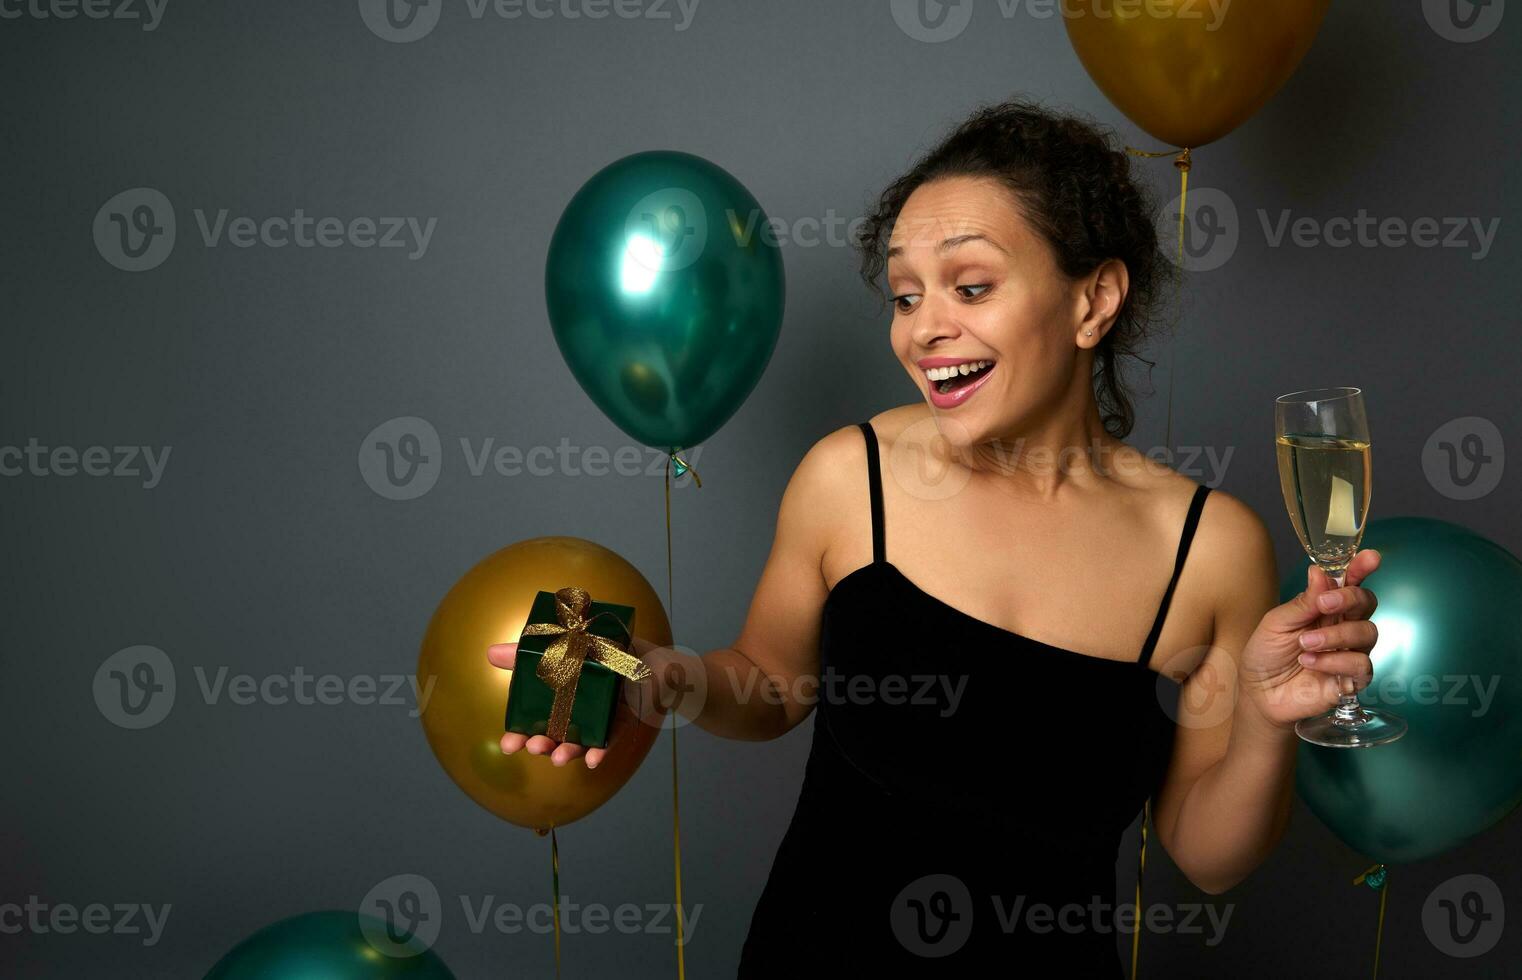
x=1088 y=333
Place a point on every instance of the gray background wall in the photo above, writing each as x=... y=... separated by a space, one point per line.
x=261 y=370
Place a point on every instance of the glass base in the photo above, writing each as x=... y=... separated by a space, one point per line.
x=1369 y=727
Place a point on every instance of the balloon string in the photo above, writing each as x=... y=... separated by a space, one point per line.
x=1141 y=866
x=1184 y=161
x=555 y=882
x=1377 y=876
x=676 y=800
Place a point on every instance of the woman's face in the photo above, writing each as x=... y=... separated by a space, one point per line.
x=984 y=321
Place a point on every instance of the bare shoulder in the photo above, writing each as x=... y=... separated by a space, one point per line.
x=1230 y=532
x=829 y=477
x=892 y=423
x=1234 y=557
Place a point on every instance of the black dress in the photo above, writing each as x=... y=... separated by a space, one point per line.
x=959 y=816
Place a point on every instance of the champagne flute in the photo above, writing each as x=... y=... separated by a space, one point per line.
x=1322 y=439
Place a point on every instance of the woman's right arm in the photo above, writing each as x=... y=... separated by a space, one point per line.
x=767 y=681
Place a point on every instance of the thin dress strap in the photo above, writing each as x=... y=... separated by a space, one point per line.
x=1190 y=524
x=875 y=485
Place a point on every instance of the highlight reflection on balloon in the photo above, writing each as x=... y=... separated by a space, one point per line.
x=464 y=716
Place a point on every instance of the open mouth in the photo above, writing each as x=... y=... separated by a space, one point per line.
x=953 y=377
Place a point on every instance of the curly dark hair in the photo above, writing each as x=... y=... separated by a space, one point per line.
x=1074 y=185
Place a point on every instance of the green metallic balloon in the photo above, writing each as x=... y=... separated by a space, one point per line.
x=665 y=292
x=328 y=946
x=1449 y=661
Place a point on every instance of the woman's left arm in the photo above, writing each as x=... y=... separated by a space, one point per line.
x=1226 y=800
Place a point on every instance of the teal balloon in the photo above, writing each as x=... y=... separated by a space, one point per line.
x=665 y=292
x=1449 y=661
x=326 y=946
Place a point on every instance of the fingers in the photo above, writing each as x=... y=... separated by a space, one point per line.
x=502 y=655
x=1363 y=565
x=1350 y=600
x=559 y=752
x=1345 y=663
x=1353 y=634
x=565 y=752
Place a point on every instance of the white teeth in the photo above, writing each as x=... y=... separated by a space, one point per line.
x=952 y=371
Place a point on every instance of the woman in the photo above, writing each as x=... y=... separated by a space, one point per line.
x=981 y=592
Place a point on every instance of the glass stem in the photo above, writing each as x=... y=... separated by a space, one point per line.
x=1348 y=713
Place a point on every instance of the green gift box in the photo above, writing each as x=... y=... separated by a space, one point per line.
x=586 y=643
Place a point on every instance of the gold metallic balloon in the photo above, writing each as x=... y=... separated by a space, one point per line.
x=464 y=716
x=1188 y=71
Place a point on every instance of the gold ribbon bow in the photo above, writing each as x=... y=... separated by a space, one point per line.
x=560 y=667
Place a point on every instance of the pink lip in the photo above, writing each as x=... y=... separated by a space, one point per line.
x=952 y=398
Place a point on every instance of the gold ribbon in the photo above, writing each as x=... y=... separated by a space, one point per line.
x=560 y=666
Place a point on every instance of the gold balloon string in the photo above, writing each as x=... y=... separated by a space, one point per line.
x=680 y=466
x=1377 y=876
x=1141 y=866
x=1184 y=161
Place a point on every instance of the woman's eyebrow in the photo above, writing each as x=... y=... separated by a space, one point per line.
x=949 y=244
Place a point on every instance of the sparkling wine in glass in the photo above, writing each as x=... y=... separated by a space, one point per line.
x=1322 y=439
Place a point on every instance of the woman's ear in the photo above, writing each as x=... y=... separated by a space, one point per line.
x=1104 y=293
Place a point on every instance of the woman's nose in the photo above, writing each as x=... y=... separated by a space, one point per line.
x=937 y=322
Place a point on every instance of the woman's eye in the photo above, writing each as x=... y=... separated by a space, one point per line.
x=973 y=292
x=906 y=302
